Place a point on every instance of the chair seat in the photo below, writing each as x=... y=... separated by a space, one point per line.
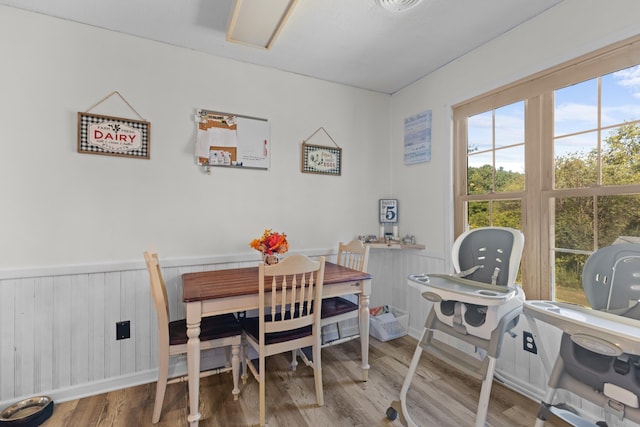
x=251 y=325
x=215 y=332
x=211 y=328
x=335 y=306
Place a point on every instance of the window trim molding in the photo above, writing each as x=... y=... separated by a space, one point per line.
x=622 y=54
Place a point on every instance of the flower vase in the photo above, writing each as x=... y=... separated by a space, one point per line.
x=270 y=259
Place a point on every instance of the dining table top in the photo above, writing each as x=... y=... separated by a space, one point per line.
x=199 y=286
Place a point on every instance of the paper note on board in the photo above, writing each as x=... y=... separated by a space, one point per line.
x=245 y=140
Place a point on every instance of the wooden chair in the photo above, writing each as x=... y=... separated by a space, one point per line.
x=287 y=320
x=354 y=255
x=215 y=331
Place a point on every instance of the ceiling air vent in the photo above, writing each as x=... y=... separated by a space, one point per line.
x=397 y=5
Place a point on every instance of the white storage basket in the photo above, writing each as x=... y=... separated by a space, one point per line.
x=385 y=328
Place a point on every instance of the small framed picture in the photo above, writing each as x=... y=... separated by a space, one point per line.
x=323 y=160
x=113 y=136
x=388 y=210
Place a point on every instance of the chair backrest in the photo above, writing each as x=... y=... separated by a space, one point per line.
x=488 y=255
x=159 y=294
x=354 y=255
x=287 y=294
x=611 y=279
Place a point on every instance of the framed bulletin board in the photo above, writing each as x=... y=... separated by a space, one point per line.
x=232 y=140
x=113 y=136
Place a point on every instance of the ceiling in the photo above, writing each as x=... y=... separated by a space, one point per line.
x=353 y=42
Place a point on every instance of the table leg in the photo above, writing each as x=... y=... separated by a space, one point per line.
x=364 y=334
x=194 y=316
x=235 y=368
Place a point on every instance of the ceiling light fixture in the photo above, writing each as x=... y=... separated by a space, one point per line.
x=257 y=23
x=398 y=5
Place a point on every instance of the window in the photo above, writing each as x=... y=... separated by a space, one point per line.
x=557 y=156
x=596 y=146
x=495 y=166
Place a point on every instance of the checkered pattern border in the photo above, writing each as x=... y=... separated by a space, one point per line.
x=307 y=168
x=85 y=119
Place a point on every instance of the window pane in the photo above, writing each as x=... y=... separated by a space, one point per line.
x=510 y=124
x=480 y=132
x=510 y=169
x=621 y=155
x=620 y=92
x=502 y=213
x=574 y=223
x=576 y=163
x=618 y=219
x=489 y=167
x=478 y=214
x=480 y=174
x=568 y=278
x=507 y=213
x=576 y=108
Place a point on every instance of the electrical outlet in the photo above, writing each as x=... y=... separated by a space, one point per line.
x=123 y=330
x=528 y=343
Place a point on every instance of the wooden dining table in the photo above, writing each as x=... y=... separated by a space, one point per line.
x=208 y=293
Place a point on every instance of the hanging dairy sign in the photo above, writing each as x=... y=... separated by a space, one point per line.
x=113 y=136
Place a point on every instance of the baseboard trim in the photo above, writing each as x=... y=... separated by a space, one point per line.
x=210 y=359
x=93 y=388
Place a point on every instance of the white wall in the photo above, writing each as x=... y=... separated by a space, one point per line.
x=60 y=207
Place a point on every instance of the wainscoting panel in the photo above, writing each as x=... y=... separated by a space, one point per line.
x=383 y=282
x=58 y=325
x=390 y=269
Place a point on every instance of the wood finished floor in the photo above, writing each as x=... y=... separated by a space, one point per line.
x=439 y=396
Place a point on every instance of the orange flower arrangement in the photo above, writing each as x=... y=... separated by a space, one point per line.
x=271 y=243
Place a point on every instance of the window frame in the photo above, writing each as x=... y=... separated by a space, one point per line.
x=537 y=199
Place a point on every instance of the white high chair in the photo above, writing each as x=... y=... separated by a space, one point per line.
x=477 y=306
x=599 y=357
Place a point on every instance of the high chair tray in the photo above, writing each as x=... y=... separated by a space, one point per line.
x=586 y=322
x=449 y=287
